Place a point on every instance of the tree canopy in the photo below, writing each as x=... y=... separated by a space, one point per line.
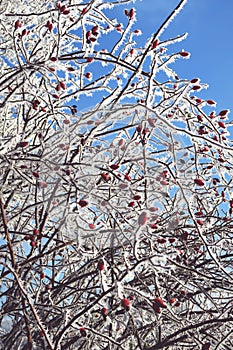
x=116 y=186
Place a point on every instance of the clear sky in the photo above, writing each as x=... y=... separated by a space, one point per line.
x=210 y=27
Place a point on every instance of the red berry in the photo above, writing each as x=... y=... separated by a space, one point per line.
x=104 y=313
x=100 y=265
x=137 y=197
x=200 y=222
x=196 y=87
x=131 y=13
x=35 y=231
x=131 y=204
x=90 y=59
x=42 y=275
x=161 y=240
x=125 y=303
x=159 y=302
x=58 y=87
x=23 y=144
x=127 y=177
x=210 y=102
x=153 y=226
x=27 y=237
x=155 y=44
x=88 y=75
x=83 y=332
x=55 y=96
x=184 y=53
x=195 y=80
x=33 y=244
x=171 y=239
x=199 y=182
x=35 y=174
x=172 y=300
x=53 y=59
x=17 y=24
x=222 y=125
x=63 y=86
x=114 y=166
x=82 y=203
x=105 y=176
x=223 y=113
x=94 y=30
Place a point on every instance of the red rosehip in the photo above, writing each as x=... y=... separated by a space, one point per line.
x=105 y=176
x=159 y=302
x=223 y=113
x=199 y=182
x=42 y=275
x=137 y=197
x=200 y=222
x=194 y=80
x=131 y=13
x=125 y=303
x=196 y=87
x=210 y=102
x=17 y=24
x=63 y=86
x=35 y=174
x=83 y=332
x=100 y=265
x=35 y=231
x=114 y=166
x=161 y=240
x=88 y=75
x=222 y=125
x=184 y=53
x=127 y=177
x=155 y=44
x=82 y=203
x=104 y=313
x=23 y=144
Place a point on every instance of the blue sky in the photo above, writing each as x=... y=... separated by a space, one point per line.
x=210 y=27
